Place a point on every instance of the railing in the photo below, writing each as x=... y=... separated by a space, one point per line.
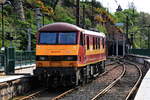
x=144 y=52
x=22 y=59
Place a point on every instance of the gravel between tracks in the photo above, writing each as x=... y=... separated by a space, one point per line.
x=109 y=67
x=123 y=87
x=90 y=90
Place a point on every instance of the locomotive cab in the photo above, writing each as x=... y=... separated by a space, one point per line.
x=60 y=49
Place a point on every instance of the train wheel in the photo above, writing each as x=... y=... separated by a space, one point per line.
x=78 y=77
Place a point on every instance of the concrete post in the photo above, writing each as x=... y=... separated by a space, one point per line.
x=117 y=45
x=10 y=60
x=38 y=17
x=78 y=12
x=29 y=39
x=123 y=45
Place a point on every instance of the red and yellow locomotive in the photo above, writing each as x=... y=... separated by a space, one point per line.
x=67 y=54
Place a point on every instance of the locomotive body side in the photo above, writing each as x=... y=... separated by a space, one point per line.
x=67 y=54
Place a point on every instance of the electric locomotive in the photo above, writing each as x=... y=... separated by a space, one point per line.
x=68 y=55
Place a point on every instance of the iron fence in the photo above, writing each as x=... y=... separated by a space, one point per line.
x=22 y=59
x=144 y=52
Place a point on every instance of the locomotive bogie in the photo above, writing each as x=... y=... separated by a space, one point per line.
x=68 y=76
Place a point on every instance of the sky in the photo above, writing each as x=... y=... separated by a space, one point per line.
x=141 y=5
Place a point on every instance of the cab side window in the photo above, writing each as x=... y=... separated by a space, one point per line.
x=82 y=39
x=87 y=43
x=103 y=43
x=93 y=43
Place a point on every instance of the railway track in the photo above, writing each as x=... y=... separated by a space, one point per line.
x=89 y=90
x=38 y=94
x=31 y=95
x=123 y=89
x=43 y=94
x=113 y=84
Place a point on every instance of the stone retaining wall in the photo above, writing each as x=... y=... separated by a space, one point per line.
x=14 y=88
x=141 y=60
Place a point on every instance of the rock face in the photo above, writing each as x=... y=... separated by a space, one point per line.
x=19 y=9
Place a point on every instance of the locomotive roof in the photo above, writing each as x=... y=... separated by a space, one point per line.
x=61 y=26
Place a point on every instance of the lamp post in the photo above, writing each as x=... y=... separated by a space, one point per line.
x=43 y=20
x=78 y=12
x=2 y=3
x=148 y=39
x=83 y=19
x=38 y=17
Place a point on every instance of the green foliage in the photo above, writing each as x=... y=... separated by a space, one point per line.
x=101 y=28
x=137 y=22
x=121 y=16
x=69 y=3
x=64 y=11
x=61 y=11
x=62 y=15
x=88 y=23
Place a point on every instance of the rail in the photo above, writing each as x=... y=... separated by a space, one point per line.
x=137 y=83
x=32 y=95
x=65 y=93
x=110 y=86
x=132 y=90
x=77 y=88
x=37 y=93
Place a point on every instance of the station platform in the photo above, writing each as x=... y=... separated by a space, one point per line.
x=20 y=72
x=7 y=78
x=144 y=89
x=24 y=69
x=17 y=83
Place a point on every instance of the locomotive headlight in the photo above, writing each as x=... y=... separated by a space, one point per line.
x=42 y=58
